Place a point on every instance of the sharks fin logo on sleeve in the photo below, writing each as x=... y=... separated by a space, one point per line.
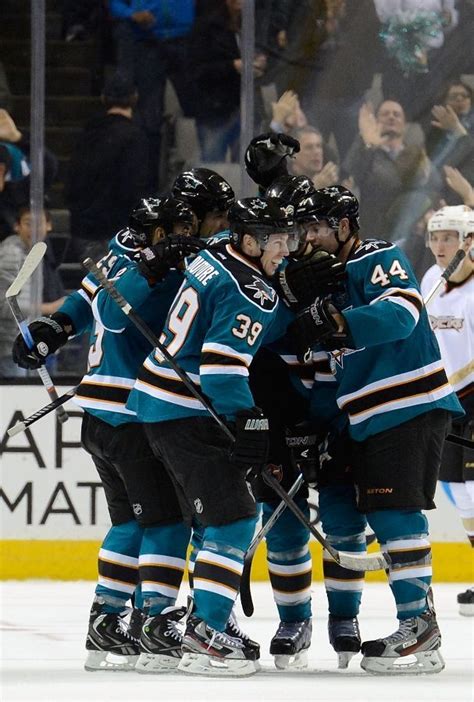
x=123 y=240
x=260 y=291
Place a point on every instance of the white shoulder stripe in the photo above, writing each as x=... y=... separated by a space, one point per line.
x=406 y=304
x=223 y=370
x=97 y=317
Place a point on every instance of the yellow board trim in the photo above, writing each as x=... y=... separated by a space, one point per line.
x=77 y=560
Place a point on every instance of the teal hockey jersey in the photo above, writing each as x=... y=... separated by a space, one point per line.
x=394 y=371
x=117 y=347
x=77 y=305
x=224 y=310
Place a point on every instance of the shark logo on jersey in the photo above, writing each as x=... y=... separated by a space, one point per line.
x=337 y=358
x=125 y=240
x=261 y=291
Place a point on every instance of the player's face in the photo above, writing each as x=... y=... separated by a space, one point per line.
x=213 y=223
x=184 y=229
x=321 y=235
x=274 y=252
x=443 y=245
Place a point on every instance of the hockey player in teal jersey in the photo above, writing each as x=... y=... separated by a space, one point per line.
x=282 y=387
x=222 y=313
x=209 y=195
x=392 y=386
x=147 y=541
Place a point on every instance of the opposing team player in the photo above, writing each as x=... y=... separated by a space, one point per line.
x=147 y=541
x=392 y=386
x=218 y=320
x=452 y=320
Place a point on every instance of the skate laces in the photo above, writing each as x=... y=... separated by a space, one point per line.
x=122 y=628
x=222 y=638
x=407 y=626
x=234 y=627
x=173 y=631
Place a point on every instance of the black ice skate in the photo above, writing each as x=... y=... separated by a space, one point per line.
x=207 y=651
x=160 y=642
x=233 y=629
x=417 y=638
x=109 y=643
x=290 y=644
x=344 y=637
x=466 y=602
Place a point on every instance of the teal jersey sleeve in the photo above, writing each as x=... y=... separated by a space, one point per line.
x=386 y=298
x=134 y=288
x=78 y=309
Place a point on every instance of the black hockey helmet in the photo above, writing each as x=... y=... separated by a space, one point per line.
x=292 y=190
x=333 y=204
x=260 y=218
x=204 y=191
x=155 y=212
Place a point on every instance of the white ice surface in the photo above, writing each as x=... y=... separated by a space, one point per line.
x=43 y=626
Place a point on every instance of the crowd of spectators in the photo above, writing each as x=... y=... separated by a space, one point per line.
x=379 y=93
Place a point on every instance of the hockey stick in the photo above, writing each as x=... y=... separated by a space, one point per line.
x=372 y=561
x=447 y=273
x=245 y=593
x=460 y=441
x=352 y=561
x=28 y=421
x=32 y=261
x=150 y=335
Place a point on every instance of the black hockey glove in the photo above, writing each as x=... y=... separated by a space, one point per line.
x=252 y=440
x=316 y=325
x=265 y=157
x=303 y=444
x=49 y=334
x=314 y=275
x=155 y=261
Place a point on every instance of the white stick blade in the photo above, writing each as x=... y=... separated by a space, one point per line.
x=16 y=429
x=32 y=261
x=370 y=561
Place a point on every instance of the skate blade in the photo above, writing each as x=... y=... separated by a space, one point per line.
x=420 y=663
x=155 y=663
x=212 y=666
x=297 y=661
x=344 y=658
x=466 y=610
x=104 y=660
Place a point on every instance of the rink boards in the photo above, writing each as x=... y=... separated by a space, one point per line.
x=54 y=515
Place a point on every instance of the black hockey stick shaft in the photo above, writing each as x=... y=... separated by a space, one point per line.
x=150 y=335
x=36 y=416
x=245 y=592
x=351 y=561
x=460 y=441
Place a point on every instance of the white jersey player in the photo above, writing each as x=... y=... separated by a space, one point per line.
x=452 y=319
